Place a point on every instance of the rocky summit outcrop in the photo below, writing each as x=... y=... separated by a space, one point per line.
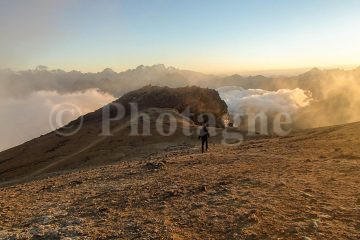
x=198 y=100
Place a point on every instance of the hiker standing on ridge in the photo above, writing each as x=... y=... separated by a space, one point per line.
x=204 y=135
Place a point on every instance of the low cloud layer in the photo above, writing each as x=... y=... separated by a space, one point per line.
x=22 y=119
x=240 y=100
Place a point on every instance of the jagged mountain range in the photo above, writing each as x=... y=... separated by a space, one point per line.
x=22 y=83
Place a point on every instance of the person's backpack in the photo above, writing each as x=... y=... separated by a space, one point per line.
x=203 y=132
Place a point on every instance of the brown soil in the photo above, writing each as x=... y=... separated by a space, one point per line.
x=304 y=186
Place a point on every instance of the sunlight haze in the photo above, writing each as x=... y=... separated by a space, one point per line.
x=208 y=36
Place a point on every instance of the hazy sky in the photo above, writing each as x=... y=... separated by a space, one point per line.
x=209 y=36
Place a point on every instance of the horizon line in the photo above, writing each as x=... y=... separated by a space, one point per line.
x=264 y=72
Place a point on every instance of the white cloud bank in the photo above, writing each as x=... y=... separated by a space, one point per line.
x=22 y=119
x=287 y=101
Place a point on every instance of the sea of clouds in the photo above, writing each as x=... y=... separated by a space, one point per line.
x=240 y=100
x=22 y=119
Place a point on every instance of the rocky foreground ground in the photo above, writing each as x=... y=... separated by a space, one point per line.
x=305 y=186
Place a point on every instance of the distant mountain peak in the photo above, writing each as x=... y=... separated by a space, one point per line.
x=155 y=67
x=108 y=70
x=159 y=66
x=140 y=67
x=311 y=72
x=314 y=70
x=41 y=68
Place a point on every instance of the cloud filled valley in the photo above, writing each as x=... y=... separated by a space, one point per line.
x=22 y=119
x=315 y=98
x=240 y=100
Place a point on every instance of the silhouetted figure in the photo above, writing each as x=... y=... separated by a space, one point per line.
x=204 y=135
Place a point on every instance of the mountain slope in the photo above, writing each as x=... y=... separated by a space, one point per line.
x=303 y=186
x=53 y=151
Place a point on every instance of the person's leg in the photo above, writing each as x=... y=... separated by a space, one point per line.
x=202 y=144
x=206 y=144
